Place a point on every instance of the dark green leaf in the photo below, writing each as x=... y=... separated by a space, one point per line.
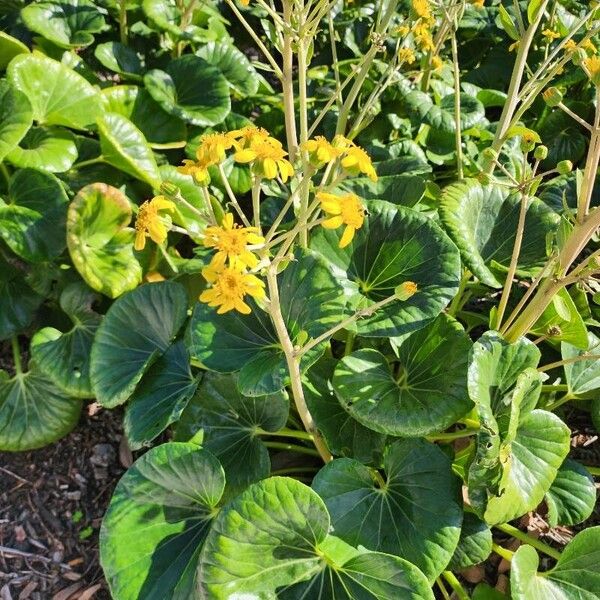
x=474 y=545
x=16 y=117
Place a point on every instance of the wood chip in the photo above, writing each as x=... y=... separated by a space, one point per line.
x=90 y=592
x=66 y=593
x=125 y=455
x=27 y=590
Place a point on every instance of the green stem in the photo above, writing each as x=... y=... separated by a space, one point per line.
x=562 y=400
x=455 y=585
x=16 y=355
x=256 y=203
x=291 y=448
x=285 y=432
x=458 y=138
x=453 y=435
x=527 y=539
x=595 y=471
x=4 y=172
x=289 y=470
x=287 y=83
x=557 y=387
x=90 y=161
x=455 y=305
x=349 y=343
x=503 y=552
x=442 y=588
x=568 y=361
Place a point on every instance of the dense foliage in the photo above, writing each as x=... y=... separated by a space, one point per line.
x=283 y=234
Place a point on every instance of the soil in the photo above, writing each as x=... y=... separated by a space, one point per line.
x=51 y=505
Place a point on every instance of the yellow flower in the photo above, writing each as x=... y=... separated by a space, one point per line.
x=422 y=8
x=198 y=170
x=356 y=161
x=406 y=55
x=513 y=47
x=402 y=30
x=588 y=45
x=406 y=290
x=321 y=151
x=229 y=286
x=478 y=3
x=436 y=62
x=425 y=42
x=570 y=46
x=592 y=65
x=344 y=210
x=268 y=157
x=245 y=2
x=150 y=222
x=231 y=242
x=248 y=135
x=550 y=35
x=211 y=150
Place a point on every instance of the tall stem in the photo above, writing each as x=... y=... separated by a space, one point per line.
x=287 y=83
x=123 y=21
x=256 y=203
x=458 y=137
x=293 y=365
x=527 y=539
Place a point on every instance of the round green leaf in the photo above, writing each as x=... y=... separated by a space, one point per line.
x=9 y=48
x=482 y=220
x=474 y=545
x=74 y=103
x=16 y=117
x=33 y=223
x=425 y=391
x=394 y=245
x=65 y=357
x=18 y=302
x=137 y=329
x=125 y=147
x=572 y=496
x=576 y=575
x=50 y=149
x=191 y=89
x=230 y=424
x=137 y=105
x=312 y=302
x=403 y=189
x=344 y=435
x=157 y=520
x=582 y=376
x=160 y=398
x=66 y=23
x=415 y=514
x=271 y=542
x=100 y=244
x=33 y=411
x=236 y=68
x=121 y=59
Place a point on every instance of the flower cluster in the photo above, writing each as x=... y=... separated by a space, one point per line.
x=228 y=272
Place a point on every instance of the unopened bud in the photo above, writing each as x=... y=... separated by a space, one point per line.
x=169 y=189
x=578 y=56
x=541 y=153
x=564 y=167
x=552 y=96
x=406 y=290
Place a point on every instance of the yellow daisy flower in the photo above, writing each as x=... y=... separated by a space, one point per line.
x=570 y=45
x=212 y=148
x=343 y=210
x=422 y=8
x=406 y=55
x=356 y=161
x=592 y=65
x=550 y=35
x=321 y=151
x=150 y=222
x=231 y=242
x=229 y=287
x=269 y=159
x=248 y=135
x=198 y=170
x=436 y=63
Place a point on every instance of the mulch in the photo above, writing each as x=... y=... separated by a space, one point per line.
x=51 y=506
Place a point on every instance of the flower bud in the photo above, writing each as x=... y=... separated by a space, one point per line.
x=169 y=189
x=552 y=96
x=541 y=153
x=578 y=56
x=564 y=167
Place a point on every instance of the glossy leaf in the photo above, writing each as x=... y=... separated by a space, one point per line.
x=402 y=189
x=65 y=357
x=16 y=117
x=50 y=149
x=157 y=520
x=33 y=411
x=344 y=435
x=33 y=222
x=137 y=105
x=125 y=147
x=576 y=575
x=583 y=376
x=482 y=221
x=66 y=23
x=137 y=329
x=272 y=542
x=415 y=514
x=474 y=545
x=236 y=68
x=99 y=241
x=572 y=496
x=191 y=89
x=377 y=261
x=426 y=391
x=230 y=424
x=119 y=58
x=74 y=103
x=9 y=48
x=311 y=302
